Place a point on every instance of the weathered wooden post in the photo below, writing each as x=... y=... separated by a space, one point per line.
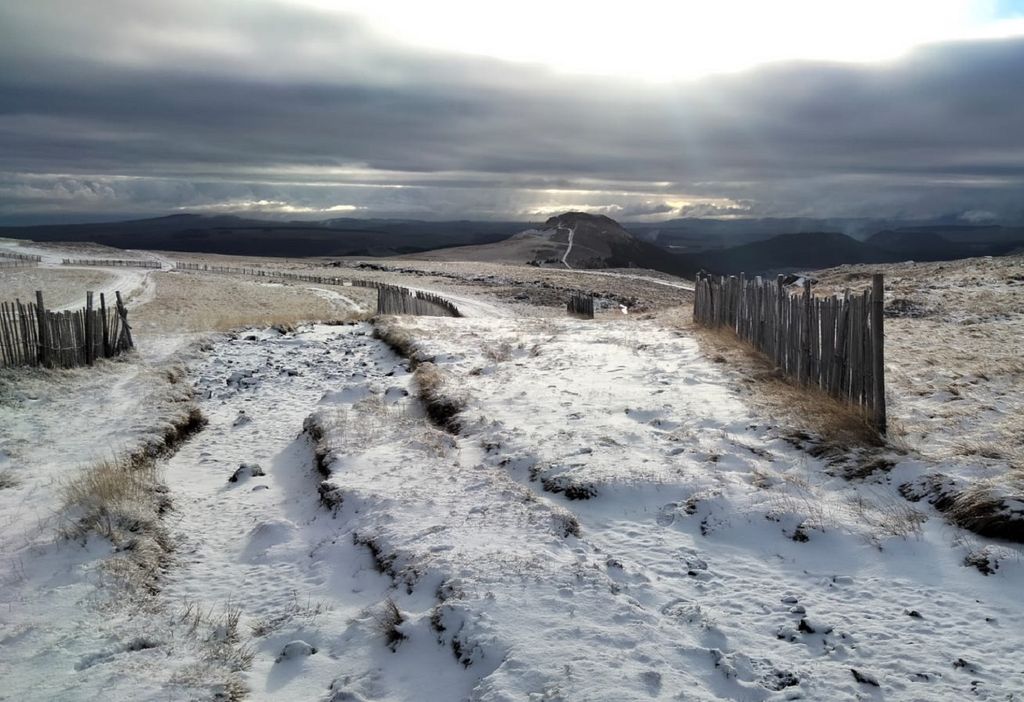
x=878 y=350
x=44 y=336
x=122 y=311
x=90 y=333
x=805 y=335
x=103 y=323
x=780 y=295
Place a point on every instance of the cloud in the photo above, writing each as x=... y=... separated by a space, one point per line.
x=264 y=102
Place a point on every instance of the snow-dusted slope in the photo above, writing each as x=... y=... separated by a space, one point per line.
x=715 y=559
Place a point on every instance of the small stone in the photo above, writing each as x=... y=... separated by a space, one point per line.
x=864 y=678
x=245 y=471
x=295 y=649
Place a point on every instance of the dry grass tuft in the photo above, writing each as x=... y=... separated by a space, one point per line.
x=8 y=479
x=121 y=499
x=498 y=353
x=221 y=652
x=388 y=620
x=398 y=338
x=306 y=612
x=442 y=403
x=989 y=509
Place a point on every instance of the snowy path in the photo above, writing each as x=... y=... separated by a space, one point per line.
x=568 y=248
x=264 y=543
x=135 y=284
x=345 y=303
x=470 y=306
x=643 y=278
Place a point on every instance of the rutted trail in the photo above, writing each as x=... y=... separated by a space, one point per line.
x=264 y=543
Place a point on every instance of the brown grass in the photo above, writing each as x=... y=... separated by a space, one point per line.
x=442 y=402
x=186 y=302
x=398 y=338
x=8 y=479
x=121 y=499
x=60 y=286
x=804 y=408
x=985 y=509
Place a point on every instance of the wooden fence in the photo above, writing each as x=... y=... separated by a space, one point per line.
x=836 y=343
x=392 y=299
x=31 y=258
x=581 y=305
x=111 y=263
x=31 y=335
x=17 y=263
x=278 y=275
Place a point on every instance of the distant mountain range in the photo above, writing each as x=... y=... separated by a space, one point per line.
x=681 y=247
x=228 y=234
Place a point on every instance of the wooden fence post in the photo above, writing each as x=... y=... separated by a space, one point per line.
x=805 y=335
x=44 y=336
x=123 y=312
x=878 y=350
x=103 y=322
x=90 y=333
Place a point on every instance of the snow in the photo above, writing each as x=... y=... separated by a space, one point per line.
x=700 y=544
x=612 y=522
x=61 y=618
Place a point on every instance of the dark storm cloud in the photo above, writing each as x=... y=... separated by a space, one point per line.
x=144 y=108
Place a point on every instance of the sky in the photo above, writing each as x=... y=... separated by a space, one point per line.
x=644 y=111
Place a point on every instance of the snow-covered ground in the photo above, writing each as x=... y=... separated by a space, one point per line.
x=955 y=374
x=714 y=558
x=612 y=521
x=60 y=607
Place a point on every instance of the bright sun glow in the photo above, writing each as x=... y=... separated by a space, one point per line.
x=668 y=39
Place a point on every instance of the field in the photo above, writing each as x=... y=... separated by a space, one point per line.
x=281 y=497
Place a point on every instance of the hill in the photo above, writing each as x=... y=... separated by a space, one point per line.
x=597 y=241
x=786 y=253
x=939 y=243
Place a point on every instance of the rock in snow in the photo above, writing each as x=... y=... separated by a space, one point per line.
x=245 y=471
x=295 y=649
